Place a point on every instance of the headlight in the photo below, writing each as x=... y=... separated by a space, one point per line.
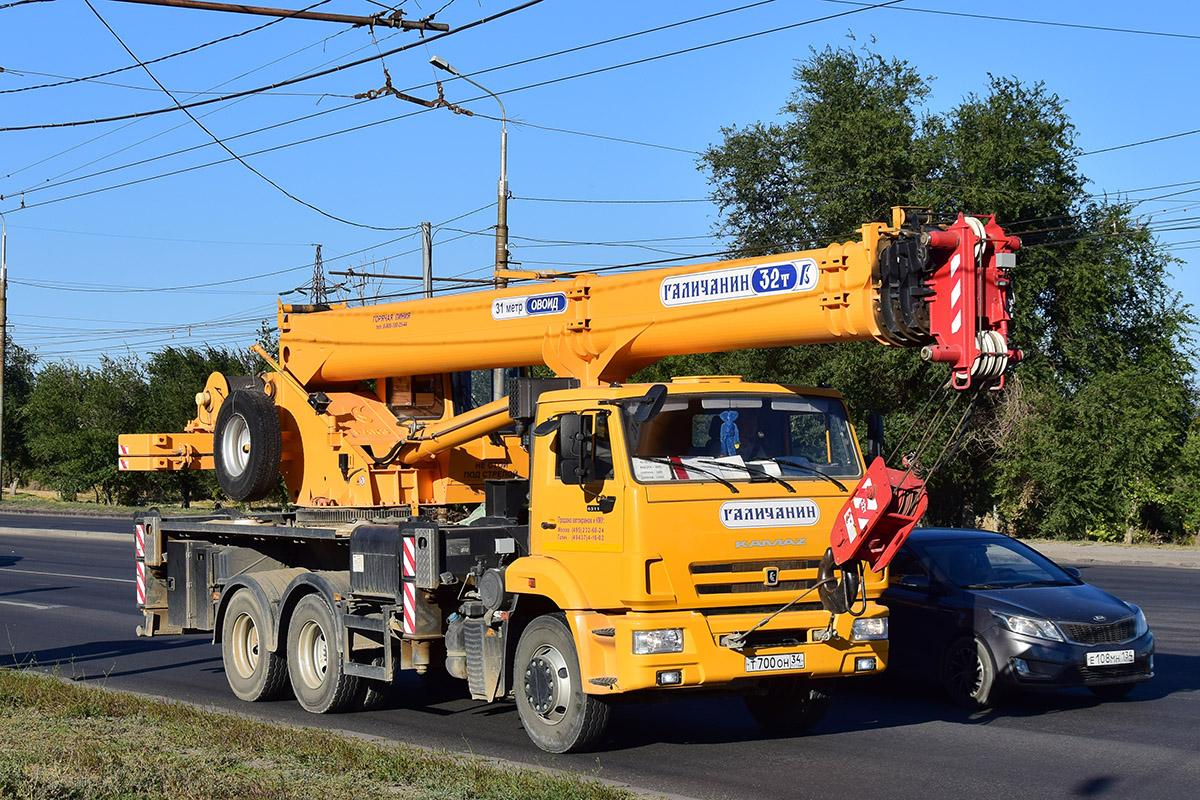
x=1029 y=626
x=666 y=640
x=1139 y=621
x=866 y=630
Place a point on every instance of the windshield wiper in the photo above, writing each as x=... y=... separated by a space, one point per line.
x=813 y=470
x=671 y=463
x=752 y=471
x=1027 y=584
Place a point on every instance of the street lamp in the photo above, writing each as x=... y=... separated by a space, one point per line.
x=498 y=389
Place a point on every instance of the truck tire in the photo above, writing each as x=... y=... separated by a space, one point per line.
x=315 y=663
x=556 y=713
x=247 y=445
x=254 y=672
x=788 y=705
x=969 y=674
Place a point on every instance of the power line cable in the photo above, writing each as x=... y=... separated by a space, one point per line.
x=1050 y=23
x=68 y=81
x=279 y=84
x=227 y=149
x=521 y=62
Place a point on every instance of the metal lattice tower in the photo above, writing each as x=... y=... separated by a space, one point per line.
x=318 y=293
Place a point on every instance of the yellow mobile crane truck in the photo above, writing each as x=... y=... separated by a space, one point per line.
x=704 y=534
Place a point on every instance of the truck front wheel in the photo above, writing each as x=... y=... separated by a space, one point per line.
x=314 y=661
x=556 y=713
x=253 y=671
x=788 y=705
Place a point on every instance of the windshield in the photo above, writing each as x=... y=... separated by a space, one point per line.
x=992 y=564
x=743 y=437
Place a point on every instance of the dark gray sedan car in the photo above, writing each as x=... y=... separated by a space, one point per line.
x=983 y=613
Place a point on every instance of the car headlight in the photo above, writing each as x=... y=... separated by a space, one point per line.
x=866 y=630
x=665 y=640
x=1029 y=626
x=1139 y=621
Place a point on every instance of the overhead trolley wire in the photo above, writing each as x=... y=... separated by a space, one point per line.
x=278 y=84
x=69 y=81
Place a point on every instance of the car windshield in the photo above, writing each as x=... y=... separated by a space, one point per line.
x=743 y=438
x=990 y=564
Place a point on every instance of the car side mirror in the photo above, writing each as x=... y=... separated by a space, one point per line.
x=918 y=583
x=578 y=464
x=1074 y=573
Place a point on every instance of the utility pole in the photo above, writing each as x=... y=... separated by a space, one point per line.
x=3 y=334
x=498 y=387
x=427 y=258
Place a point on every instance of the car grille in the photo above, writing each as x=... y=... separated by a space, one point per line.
x=744 y=577
x=1096 y=674
x=1110 y=633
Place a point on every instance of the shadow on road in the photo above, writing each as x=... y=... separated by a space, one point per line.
x=9 y=560
x=67 y=657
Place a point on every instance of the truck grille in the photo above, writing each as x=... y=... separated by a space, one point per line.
x=1110 y=633
x=747 y=577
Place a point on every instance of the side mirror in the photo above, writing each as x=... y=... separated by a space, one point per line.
x=874 y=436
x=918 y=583
x=1074 y=573
x=577 y=461
x=650 y=404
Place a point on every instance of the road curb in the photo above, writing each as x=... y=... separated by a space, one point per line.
x=56 y=532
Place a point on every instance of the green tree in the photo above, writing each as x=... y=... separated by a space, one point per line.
x=74 y=415
x=19 y=367
x=1090 y=435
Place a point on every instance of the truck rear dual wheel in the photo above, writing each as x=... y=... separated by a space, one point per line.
x=789 y=705
x=247 y=445
x=556 y=713
x=315 y=662
x=253 y=671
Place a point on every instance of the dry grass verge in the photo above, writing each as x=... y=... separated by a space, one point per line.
x=63 y=741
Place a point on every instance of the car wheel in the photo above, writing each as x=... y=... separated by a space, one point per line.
x=556 y=713
x=788 y=705
x=1111 y=691
x=969 y=674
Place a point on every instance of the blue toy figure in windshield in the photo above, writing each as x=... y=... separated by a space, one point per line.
x=730 y=440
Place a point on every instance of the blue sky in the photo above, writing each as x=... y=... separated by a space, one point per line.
x=101 y=273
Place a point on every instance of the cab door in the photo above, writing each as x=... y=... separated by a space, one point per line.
x=576 y=499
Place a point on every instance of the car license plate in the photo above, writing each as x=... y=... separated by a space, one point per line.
x=1109 y=657
x=777 y=663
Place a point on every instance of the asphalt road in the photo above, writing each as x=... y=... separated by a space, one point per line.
x=67 y=605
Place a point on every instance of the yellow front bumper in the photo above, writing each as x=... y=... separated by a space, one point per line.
x=609 y=666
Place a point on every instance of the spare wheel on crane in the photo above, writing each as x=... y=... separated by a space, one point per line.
x=247 y=445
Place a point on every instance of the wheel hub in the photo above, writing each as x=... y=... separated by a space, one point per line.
x=548 y=684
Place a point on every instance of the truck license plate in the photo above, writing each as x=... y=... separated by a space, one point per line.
x=776 y=663
x=1109 y=657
